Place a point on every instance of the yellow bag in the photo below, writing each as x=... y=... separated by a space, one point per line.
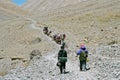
x=87 y=60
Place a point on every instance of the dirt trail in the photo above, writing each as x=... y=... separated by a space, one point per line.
x=44 y=68
x=71 y=66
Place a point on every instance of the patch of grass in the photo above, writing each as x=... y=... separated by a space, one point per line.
x=108 y=17
x=112 y=42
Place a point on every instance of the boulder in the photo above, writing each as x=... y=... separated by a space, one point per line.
x=5 y=66
x=35 y=53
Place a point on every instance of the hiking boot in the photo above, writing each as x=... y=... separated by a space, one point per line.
x=61 y=72
x=87 y=69
x=64 y=71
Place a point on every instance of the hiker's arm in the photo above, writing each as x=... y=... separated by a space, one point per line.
x=78 y=53
x=86 y=53
x=65 y=53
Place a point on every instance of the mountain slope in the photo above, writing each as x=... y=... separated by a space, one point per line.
x=11 y=8
x=93 y=22
x=96 y=23
x=11 y=19
x=45 y=5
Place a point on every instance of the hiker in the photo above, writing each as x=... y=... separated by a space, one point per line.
x=62 y=36
x=63 y=44
x=48 y=33
x=56 y=38
x=62 y=59
x=45 y=30
x=83 y=54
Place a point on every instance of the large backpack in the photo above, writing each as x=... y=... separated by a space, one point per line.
x=62 y=55
x=83 y=56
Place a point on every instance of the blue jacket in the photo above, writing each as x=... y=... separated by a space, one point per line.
x=81 y=50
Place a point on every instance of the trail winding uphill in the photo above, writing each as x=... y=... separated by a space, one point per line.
x=104 y=63
x=93 y=22
x=44 y=67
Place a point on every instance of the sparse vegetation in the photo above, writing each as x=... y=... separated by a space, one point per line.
x=107 y=17
x=112 y=42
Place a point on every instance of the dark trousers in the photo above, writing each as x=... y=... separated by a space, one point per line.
x=82 y=64
x=62 y=66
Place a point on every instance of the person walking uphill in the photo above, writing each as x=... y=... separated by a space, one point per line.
x=83 y=54
x=62 y=59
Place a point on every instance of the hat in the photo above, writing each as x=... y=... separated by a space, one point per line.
x=83 y=47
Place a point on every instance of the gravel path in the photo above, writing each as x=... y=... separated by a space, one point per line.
x=44 y=68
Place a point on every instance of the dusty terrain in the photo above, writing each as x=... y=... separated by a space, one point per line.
x=96 y=23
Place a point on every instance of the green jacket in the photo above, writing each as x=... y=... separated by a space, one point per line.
x=62 y=56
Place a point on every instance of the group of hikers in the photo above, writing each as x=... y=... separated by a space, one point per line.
x=58 y=38
x=62 y=58
x=62 y=54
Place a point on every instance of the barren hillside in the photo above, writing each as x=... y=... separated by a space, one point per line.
x=46 y=5
x=96 y=23
x=10 y=17
x=92 y=22
x=18 y=37
x=11 y=8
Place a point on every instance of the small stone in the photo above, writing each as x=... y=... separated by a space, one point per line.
x=50 y=71
x=28 y=76
x=41 y=72
x=100 y=59
x=102 y=30
x=115 y=27
x=53 y=74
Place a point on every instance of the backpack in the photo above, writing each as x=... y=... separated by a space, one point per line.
x=83 y=56
x=62 y=56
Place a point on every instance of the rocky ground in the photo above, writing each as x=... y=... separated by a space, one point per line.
x=107 y=62
x=96 y=23
x=44 y=68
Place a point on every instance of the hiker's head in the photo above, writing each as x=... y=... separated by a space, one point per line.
x=63 y=44
x=82 y=46
x=62 y=47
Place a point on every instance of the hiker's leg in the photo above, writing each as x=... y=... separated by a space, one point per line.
x=64 y=66
x=81 y=65
x=61 y=68
x=84 y=65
